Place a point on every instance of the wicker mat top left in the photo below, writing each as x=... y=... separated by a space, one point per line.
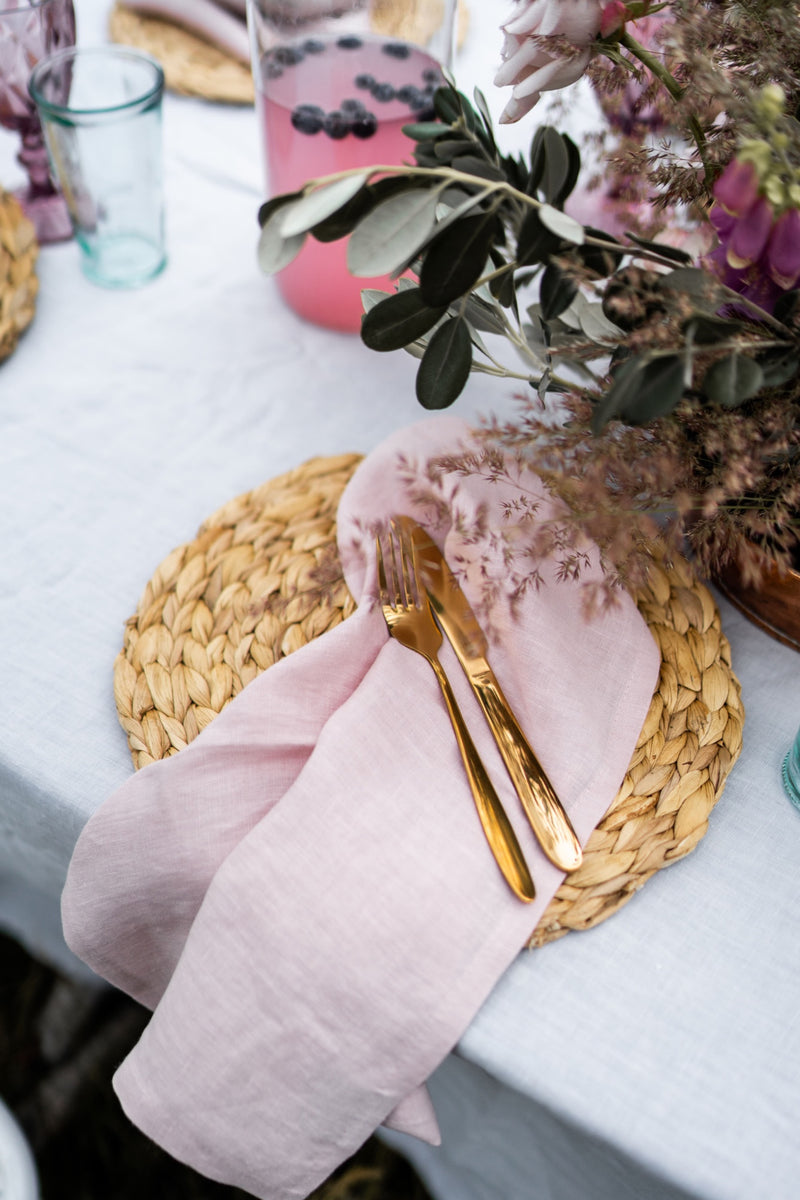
x=192 y=67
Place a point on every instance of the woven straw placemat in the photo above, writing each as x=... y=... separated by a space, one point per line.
x=19 y=251
x=263 y=578
x=194 y=67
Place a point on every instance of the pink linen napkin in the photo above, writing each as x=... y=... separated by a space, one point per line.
x=305 y=894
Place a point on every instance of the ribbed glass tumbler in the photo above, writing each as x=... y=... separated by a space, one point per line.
x=791 y=772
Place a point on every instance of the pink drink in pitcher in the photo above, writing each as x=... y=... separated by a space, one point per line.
x=328 y=105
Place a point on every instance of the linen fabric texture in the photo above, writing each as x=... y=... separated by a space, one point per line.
x=304 y=895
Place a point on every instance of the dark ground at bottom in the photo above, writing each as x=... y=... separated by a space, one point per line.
x=59 y=1046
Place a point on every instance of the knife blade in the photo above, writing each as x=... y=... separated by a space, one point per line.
x=542 y=807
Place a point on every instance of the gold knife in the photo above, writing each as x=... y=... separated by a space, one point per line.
x=544 y=810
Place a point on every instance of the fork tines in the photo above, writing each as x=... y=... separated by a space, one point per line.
x=397 y=569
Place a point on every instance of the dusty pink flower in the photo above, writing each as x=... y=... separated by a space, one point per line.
x=546 y=47
x=737 y=187
x=783 y=249
x=613 y=17
x=749 y=236
x=757 y=254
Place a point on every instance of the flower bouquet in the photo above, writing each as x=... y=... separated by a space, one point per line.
x=658 y=364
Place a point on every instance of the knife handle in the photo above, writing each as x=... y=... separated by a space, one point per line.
x=496 y=825
x=542 y=806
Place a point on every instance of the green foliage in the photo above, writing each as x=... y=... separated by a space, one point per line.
x=466 y=230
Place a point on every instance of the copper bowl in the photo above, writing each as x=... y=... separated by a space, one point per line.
x=774 y=606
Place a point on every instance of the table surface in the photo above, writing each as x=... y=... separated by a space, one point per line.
x=672 y=1032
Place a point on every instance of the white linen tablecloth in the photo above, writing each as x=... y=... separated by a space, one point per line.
x=658 y=1055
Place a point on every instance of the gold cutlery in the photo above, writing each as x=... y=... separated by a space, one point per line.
x=547 y=817
x=410 y=620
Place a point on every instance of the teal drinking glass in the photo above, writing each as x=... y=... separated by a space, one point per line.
x=100 y=110
x=791 y=772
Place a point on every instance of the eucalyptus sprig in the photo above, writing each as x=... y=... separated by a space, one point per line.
x=468 y=232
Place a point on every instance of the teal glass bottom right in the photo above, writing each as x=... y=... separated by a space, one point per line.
x=791 y=772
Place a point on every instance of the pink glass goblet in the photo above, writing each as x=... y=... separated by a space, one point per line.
x=30 y=30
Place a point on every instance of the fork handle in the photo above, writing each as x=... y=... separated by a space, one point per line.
x=496 y=825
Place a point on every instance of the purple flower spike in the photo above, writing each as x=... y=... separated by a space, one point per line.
x=722 y=221
x=750 y=236
x=737 y=187
x=783 y=250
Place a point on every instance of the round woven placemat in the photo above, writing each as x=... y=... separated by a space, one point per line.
x=263 y=578
x=194 y=67
x=19 y=251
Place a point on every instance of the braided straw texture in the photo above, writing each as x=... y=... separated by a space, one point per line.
x=19 y=251
x=192 y=66
x=263 y=578
x=415 y=20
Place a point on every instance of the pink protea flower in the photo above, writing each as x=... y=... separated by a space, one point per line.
x=613 y=17
x=546 y=47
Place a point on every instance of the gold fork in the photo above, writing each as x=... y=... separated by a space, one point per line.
x=408 y=616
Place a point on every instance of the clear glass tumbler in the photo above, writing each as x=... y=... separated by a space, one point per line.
x=791 y=772
x=100 y=109
x=335 y=84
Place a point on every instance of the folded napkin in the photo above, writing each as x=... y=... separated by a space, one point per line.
x=220 y=23
x=304 y=894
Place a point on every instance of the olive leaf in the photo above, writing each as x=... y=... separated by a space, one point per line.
x=445 y=365
x=486 y=117
x=470 y=164
x=705 y=330
x=732 y=380
x=446 y=149
x=275 y=251
x=557 y=291
x=588 y=317
x=664 y=382
x=425 y=131
x=603 y=260
x=642 y=390
x=561 y=225
x=270 y=206
x=778 y=366
x=446 y=105
x=342 y=222
x=321 y=202
x=670 y=252
x=626 y=384
x=484 y=316
x=392 y=233
x=573 y=170
x=537 y=159
x=399 y=319
x=691 y=280
x=558 y=165
x=456 y=259
x=502 y=285
x=535 y=241
x=372 y=296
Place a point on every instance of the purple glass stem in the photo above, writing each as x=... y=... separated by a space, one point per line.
x=30 y=30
